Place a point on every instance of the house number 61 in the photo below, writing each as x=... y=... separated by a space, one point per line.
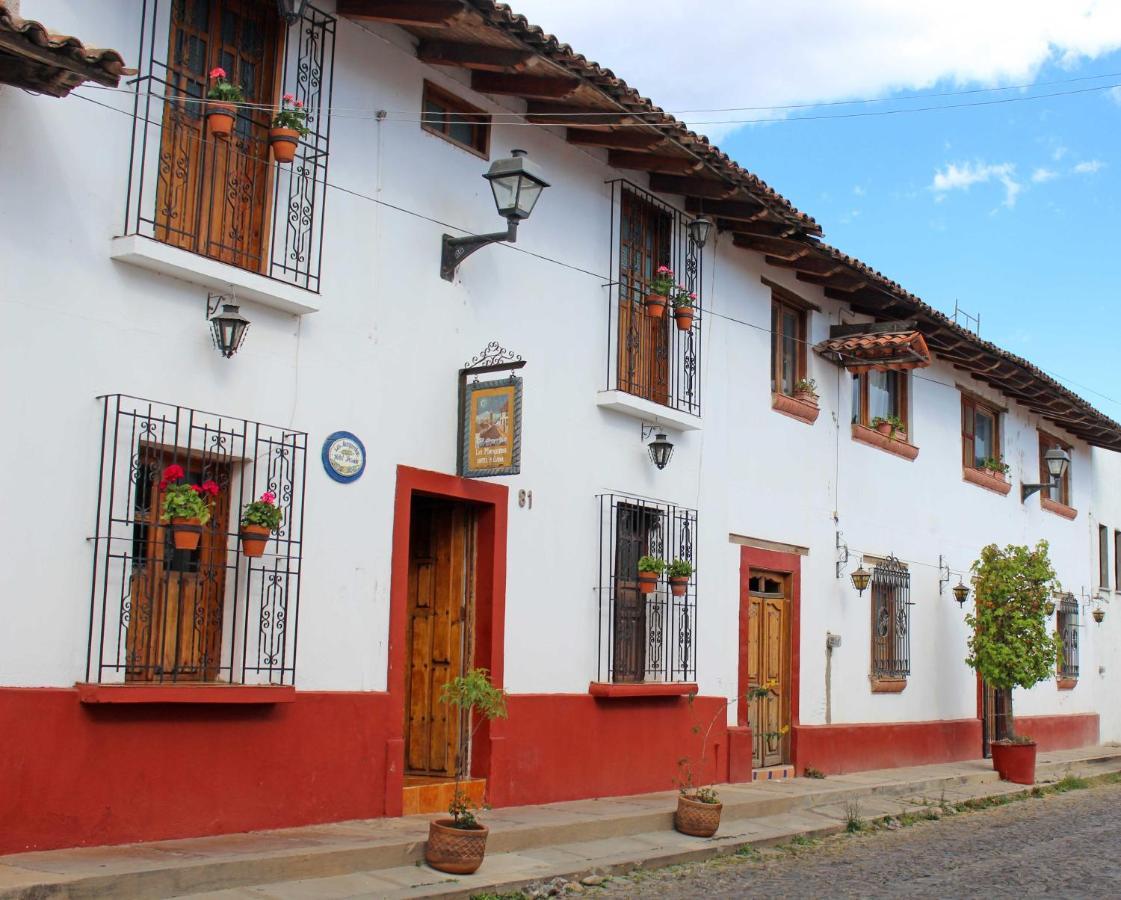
x=525 y=499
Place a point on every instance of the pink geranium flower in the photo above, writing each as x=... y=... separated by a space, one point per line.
x=217 y=72
x=268 y=497
x=288 y=98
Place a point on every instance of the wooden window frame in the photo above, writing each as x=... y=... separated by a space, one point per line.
x=1117 y=560
x=779 y=305
x=457 y=105
x=1046 y=441
x=1066 y=627
x=971 y=405
x=1103 y=557
x=862 y=416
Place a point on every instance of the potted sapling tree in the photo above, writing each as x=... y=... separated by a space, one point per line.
x=679 y=572
x=221 y=106
x=659 y=291
x=1009 y=644
x=289 y=124
x=185 y=506
x=458 y=845
x=650 y=570
x=259 y=519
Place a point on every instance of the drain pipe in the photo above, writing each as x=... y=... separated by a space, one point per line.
x=831 y=641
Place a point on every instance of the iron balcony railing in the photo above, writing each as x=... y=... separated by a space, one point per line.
x=1067 y=622
x=160 y=614
x=645 y=637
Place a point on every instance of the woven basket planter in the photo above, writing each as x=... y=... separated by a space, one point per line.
x=458 y=851
x=696 y=818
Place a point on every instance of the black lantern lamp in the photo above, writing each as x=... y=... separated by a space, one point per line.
x=661 y=451
x=961 y=592
x=699 y=229
x=1057 y=462
x=227 y=327
x=860 y=578
x=291 y=10
x=517 y=184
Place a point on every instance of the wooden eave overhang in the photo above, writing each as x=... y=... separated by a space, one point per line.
x=885 y=348
x=507 y=56
x=36 y=59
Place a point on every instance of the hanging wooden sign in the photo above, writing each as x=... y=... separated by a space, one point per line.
x=490 y=416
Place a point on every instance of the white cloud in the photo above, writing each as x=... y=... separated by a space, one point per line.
x=1059 y=152
x=858 y=190
x=963 y=176
x=738 y=53
x=1115 y=94
x=1089 y=167
x=1043 y=174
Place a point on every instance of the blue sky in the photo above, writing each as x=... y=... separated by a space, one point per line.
x=1010 y=209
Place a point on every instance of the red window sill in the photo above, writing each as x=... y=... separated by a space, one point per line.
x=802 y=410
x=186 y=693
x=873 y=438
x=611 y=691
x=1059 y=509
x=981 y=478
x=888 y=685
x=1067 y=684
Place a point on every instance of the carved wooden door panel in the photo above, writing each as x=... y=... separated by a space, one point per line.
x=644 y=341
x=212 y=195
x=768 y=663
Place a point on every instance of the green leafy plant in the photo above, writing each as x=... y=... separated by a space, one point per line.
x=654 y=564
x=291 y=115
x=895 y=422
x=805 y=385
x=682 y=297
x=994 y=464
x=222 y=89
x=182 y=500
x=680 y=568
x=1009 y=644
x=662 y=283
x=476 y=697
x=263 y=512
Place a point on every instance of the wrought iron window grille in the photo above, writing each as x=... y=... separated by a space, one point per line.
x=1067 y=624
x=645 y=637
x=225 y=199
x=163 y=615
x=891 y=619
x=647 y=357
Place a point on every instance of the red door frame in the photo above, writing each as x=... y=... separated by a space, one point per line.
x=789 y=564
x=492 y=501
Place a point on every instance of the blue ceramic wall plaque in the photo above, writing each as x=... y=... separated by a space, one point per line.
x=344 y=457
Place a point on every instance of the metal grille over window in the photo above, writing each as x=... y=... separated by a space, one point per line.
x=650 y=356
x=225 y=198
x=645 y=637
x=1067 y=623
x=891 y=619
x=211 y=614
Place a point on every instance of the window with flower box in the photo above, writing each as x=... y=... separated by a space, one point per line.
x=1060 y=494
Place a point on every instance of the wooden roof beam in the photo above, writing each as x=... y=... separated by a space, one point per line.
x=473 y=56
x=619 y=140
x=761 y=228
x=649 y=162
x=844 y=284
x=543 y=86
x=436 y=13
x=777 y=247
x=692 y=185
x=744 y=211
x=814 y=264
x=541 y=112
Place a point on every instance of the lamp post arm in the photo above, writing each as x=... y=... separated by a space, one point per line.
x=1026 y=490
x=456 y=249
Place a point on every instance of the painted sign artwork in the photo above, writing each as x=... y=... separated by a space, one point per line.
x=491 y=421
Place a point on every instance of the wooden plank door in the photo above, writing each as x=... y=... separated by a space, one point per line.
x=176 y=597
x=768 y=662
x=439 y=639
x=630 y=614
x=212 y=195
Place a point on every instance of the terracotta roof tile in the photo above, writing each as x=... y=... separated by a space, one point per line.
x=900 y=350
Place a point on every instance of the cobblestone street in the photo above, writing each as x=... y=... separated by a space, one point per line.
x=1060 y=845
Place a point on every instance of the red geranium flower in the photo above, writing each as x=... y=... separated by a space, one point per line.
x=173 y=472
x=217 y=72
x=210 y=487
x=196 y=489
x=268 y=497
x=164 y=484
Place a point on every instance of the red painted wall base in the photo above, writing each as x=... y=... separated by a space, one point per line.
x=1060 y=732
x=835 y=749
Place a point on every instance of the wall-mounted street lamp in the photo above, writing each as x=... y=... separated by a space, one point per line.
x=291 y=10
x=698 y=231
x=661 y=450
x=860 y=578
x=961 y=592
x=228 y=326
x=1057 y=462
x=516 y=183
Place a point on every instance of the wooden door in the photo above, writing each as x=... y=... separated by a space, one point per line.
x=994 y=716
x=768 y=663
x=440 y=632
x=644 y=342
x=176 y=597
x=630 y=613
x=212 y=195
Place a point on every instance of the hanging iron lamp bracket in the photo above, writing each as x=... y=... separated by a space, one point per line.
x=842 y=555
x=943 y=574
x=455 y=250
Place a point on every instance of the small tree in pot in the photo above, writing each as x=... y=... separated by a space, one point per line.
x=457 y=845
x=1010 y=645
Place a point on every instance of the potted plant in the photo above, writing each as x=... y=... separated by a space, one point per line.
x=698 y=808
x=650 y=569
x=221 y=110
x=890 y=427
x=805 y=389
x=996 y=467
x=679 y=571
x=288 y=126
x=185 y=506
x=258 y=520
x=1010 y=645
x=684 y=307
x=457 y=845
x=658 y=295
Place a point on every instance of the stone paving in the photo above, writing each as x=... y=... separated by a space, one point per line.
x=1061 y=845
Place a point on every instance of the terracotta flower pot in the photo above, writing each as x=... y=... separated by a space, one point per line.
x=1014 y=762
x=647 y=582
x=656 y=305
x=884 y=428
x=806 y=397
x=220 y=118
x=284 y=143
x=186 y=533
x=696 y=818
x=683 y=316
x=458 y=851
x=678 y=584
x=253 y=540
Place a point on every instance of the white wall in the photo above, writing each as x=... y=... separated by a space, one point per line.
x=384 y=351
